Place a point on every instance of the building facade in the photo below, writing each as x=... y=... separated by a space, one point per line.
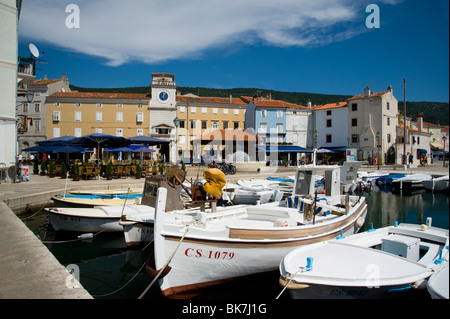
x=331 y=125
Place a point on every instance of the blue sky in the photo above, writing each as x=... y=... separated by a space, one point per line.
x=320 y=46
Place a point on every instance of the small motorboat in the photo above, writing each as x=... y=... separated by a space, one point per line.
x=373 y=264
x=439 y=184
x=92 y=200
x=410 y=183
x=388 y=179
x=438 y=284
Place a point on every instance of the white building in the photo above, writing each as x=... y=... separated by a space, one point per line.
x=330 y=125
x=299 y=123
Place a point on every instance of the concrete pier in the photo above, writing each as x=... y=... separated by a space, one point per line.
x=28 y=270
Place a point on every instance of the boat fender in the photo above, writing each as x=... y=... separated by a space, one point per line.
x=423 y=227
x=360 y=221
x=86 y=236
x=284 y=222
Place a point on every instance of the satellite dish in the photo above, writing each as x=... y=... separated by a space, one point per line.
x=34 y=51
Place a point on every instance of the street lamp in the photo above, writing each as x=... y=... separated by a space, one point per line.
x=176 y=122
x=444 y=138
x=378 y=147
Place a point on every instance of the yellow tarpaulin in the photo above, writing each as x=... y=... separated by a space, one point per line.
x=215 y=181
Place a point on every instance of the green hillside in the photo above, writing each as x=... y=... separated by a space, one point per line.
x=433 y=112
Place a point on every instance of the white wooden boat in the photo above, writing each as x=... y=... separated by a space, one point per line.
x=439 y=184
x=373 y=264
x=95 y=219
x=89 y=201
x=204 y=248
x=410 y=183
x=107 y=191
x=438 y=284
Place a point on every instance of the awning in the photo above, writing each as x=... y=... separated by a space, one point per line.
x=286 y=149
x=421 y=150
x=437 y=145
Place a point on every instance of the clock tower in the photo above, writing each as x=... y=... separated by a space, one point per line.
x=162 y=112
x=163 y=90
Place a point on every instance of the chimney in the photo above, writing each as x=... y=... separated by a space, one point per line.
x=231 y=99
x=309 y=104
x=420 y=121
x=366 y=92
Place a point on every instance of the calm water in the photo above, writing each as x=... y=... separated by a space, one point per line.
x=106 y=265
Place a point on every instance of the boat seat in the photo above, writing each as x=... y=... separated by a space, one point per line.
x=272 y=213
x=432 y=252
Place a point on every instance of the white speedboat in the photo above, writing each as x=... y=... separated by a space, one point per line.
x=372 y=264
x=410 y=183
x=205 y=248
x=439 y=184
x=95 y=219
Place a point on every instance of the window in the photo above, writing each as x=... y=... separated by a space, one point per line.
x=388 y=106
x=215 y=110
x=140 y=106
x=182 y=139
x=329 y=139
x=236 y=125
x=182 y=124
x=280 y=113
x=182 y=109
x=140 y=117
x=77 y=132
x=37 y=125
x=354 y=107
x=119 y=117
x=204 y=110
x=389 y=138
x=25 y=107
x=225 y=111
x=119 y=105
x=329 y=123
x=355 y=138
x=204 y=124
x=263 y=113
x=225 y=125
x=263 y=128
x=77 y=116
x=236 y=112
x=215 y=125
x=37 y=107
x=56 y=116
x=98 y=130
x=388 y=121
x=279 y=128
x=193 y=109
x=56 y=104
x=56 y=132
x=140 y=132
x=98 y=116
x=119 y=132
x=193 y=125
x=78 y=105
x=99 y=105
x=329 y=112
x=354 y=122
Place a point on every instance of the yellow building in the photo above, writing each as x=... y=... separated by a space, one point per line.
x=200 y=115
x=82 y=113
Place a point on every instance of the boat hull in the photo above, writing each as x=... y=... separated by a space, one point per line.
x=137 y=234
x=61 y=222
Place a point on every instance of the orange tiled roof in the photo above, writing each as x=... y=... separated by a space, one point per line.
x=220 y=100
x=100 y=95
x=330 y=106
x=361 y=96
x=46 y=82
x=262 y=102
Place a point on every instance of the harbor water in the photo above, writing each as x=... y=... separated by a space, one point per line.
x=108 y=270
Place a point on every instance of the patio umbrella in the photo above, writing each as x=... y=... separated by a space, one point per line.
x=97 y=139
x=147 y=140
x=57 y=141
x=36 y=149
x=143 y=150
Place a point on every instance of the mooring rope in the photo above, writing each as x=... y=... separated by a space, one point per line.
x=29 y=217
x=162 y=269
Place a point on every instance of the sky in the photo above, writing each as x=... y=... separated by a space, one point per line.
x=314 y=46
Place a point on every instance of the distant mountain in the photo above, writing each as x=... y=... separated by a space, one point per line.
x=433 y=112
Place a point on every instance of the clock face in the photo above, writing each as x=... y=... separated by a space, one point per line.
x=163 y=96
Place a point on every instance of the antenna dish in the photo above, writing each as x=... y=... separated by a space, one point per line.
x=34 y=50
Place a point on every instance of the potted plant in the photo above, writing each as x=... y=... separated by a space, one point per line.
x=51 y=169
x=138 y=171
x=76 y=172
x=63 y=172
x=43 y=168
x=109 y=171
x=285 y=161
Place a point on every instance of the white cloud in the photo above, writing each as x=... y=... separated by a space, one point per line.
x=159 y=30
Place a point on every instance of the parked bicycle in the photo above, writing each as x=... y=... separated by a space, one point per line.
x=224 y=167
